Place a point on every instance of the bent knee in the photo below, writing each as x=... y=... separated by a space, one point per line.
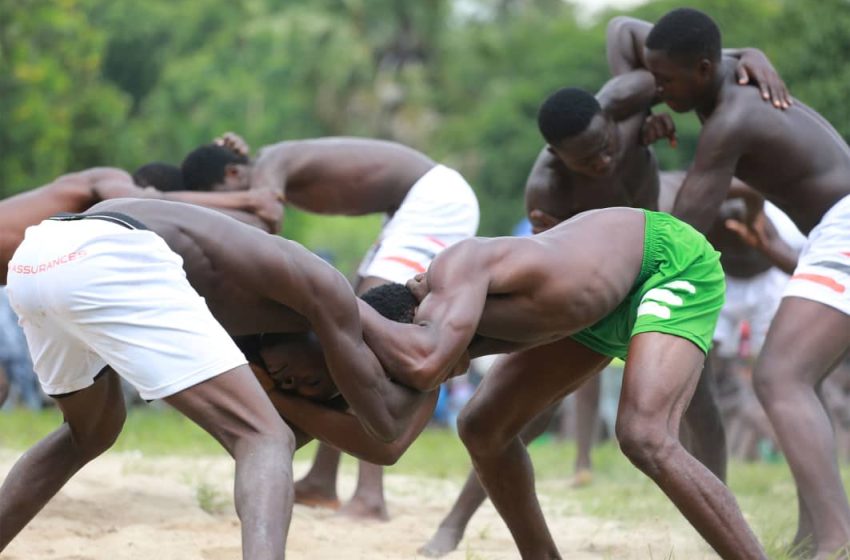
x=647 y=444
x=97 y=439
x=478 y=431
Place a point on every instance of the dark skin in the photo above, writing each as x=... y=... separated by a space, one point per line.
x=77 y=192
x=352 y=177
x=800 y=163
x=528 y=295
x=234 y=278
x=340 y=175
x=294 y=373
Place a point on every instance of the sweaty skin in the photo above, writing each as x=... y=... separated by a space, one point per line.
x=798 y=161
x=340 y=175
x=527 y=295
x=76 y=192
x=258 y=283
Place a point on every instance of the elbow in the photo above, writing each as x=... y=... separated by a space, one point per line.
x=387 y=456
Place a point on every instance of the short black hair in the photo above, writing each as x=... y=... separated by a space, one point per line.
x=394 y=301
x=204 y=167
x=566 y=113
x=686 y=33
x=161 y=176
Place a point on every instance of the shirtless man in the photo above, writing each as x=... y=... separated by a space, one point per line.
x=76 y=192
x=654 y=298
x=800 y=163
x=599 y=155
x=428 y=207
x=84 y=288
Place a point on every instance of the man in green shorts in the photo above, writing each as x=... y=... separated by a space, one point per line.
x=618 y=282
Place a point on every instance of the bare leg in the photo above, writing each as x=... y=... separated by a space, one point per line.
x=785 y=383
x=660 y=377
x=235 y=410
x=451 y=529
x=318 y=487
x=518 y=387
x=93 y=419
x=368 y=499
x=706 y=437
x=587 y=427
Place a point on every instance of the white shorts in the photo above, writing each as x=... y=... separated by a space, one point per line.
x=438 y=211
x=823 y=269
x=91 y=293
x=754 y=300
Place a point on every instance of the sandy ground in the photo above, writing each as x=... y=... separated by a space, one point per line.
x=126 y=506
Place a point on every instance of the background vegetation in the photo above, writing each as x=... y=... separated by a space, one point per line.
x=119 y=82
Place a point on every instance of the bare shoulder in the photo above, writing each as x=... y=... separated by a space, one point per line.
x=94 y=175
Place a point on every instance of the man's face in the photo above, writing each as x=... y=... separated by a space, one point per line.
x=237 y=177
x=679 y=83
x=297 y=364
x=593 y=151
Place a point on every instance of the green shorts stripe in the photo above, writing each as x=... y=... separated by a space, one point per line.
x=679 y=290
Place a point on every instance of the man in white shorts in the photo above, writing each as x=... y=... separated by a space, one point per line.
x=145 y=290
x=800 y=163
x=428 y=207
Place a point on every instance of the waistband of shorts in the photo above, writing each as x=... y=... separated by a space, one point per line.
x=114 y=217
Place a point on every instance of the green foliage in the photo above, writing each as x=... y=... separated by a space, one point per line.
x=113 y=82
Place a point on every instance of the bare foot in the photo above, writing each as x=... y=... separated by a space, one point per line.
x=312 y=495
x=444 y=541
x=365 y=509
x=582 y=477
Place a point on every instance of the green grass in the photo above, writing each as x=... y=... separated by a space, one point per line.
x=764 y=491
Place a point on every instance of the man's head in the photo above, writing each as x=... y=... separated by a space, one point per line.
x=683 y=51
x=215 y=168
x=161 y=176
x=296 y=361
x=577 y=130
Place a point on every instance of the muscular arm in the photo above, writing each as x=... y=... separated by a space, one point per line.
x=262 y=209
x=425 y=354
x=709 y=178
x=345 y=432
x=624 y=41
x=269 y=169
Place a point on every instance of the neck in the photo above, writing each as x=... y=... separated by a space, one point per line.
x=705 y=107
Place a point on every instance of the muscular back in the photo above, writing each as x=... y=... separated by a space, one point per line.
x=544 y=287
x=348 y=176
x=253 y=282
x=794 y=157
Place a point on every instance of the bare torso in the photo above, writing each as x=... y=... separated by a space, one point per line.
x=553 y=284
x=348 y=176
x=561 y=193
x=795 y=158
x=235 y=267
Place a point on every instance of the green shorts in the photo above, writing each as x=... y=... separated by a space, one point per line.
x=679 y=291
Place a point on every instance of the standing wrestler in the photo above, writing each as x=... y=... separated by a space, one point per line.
x=428 y=207
x=598 y=155
x=799 y=162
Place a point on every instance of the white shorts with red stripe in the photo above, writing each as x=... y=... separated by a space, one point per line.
x=823 y=269
x=438 y=211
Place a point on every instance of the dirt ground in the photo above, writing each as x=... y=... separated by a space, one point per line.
x=126 y=506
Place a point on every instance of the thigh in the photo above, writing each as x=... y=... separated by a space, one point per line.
x=230 y=406
x=660 y=377
x=805 y=340
x=520 y=385
x=95 y=415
